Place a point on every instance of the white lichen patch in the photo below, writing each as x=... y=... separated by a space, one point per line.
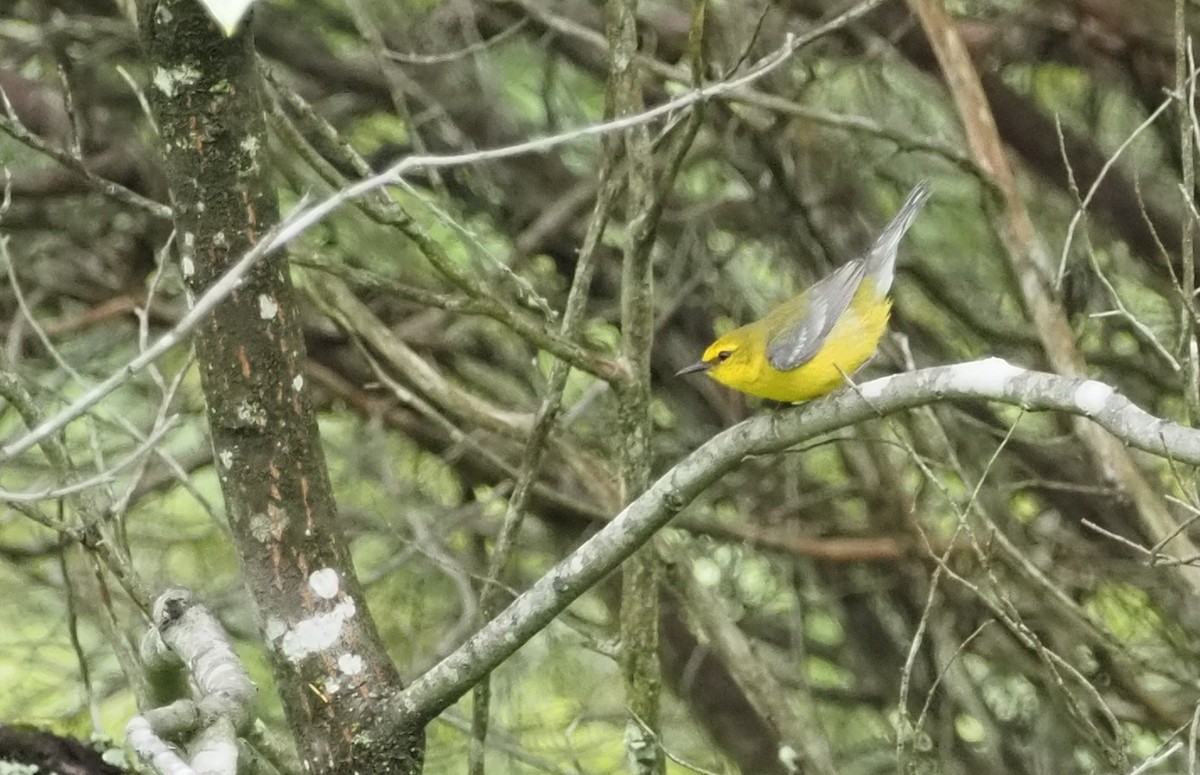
x=984 y=377
x=351 y=664
x=267 y=308
x=789 y=758
x=215 y=756
x=250 y=145
x=874 y=389
x=1091 y=396
x=261 y=527
x=324 y=583
x=298 y=382
x=226 y=458
x=188 y=267
x=316 y=633
x=274 y=628
x=168 y=80
x=250 y=413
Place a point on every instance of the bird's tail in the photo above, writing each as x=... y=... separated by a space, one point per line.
x=881 y=261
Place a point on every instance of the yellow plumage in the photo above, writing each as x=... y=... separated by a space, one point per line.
x=805 y=347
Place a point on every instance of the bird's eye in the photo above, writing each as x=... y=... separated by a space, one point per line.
x=724 y=355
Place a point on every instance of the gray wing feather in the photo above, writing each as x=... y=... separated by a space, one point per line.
x=796 y=344
x=881 y=259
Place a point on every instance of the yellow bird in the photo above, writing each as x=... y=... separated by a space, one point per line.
x=805 y=347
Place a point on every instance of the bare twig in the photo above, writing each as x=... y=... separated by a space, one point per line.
x=1026 y=256
x=305 y=216
x=13 y=127
x=992 y=379
x=445 y=57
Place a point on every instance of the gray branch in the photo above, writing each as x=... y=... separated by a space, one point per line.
x=187 y=639
x=992 y=379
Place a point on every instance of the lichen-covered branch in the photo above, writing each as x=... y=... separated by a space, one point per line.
x=321 y=641
x=992 y=379
x=187 y=647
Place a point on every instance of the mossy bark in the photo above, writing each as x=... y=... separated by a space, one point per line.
x=329 y=663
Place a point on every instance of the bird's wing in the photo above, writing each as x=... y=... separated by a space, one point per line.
x=798 y=340
x=881 y=258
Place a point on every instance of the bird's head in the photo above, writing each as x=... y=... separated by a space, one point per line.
x=725 y=360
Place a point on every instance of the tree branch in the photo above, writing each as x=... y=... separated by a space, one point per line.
x=304 y=217
x=1031 y=266
x=992 y=379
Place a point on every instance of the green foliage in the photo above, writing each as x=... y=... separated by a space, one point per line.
x=1016 y=639
x=1127 y=612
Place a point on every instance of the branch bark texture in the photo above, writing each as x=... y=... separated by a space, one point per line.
x=992 y=379
x=326 y=655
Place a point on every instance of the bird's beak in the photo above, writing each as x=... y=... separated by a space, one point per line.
x=697 y=366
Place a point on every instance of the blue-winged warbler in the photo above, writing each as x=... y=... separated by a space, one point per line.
x=806 y=347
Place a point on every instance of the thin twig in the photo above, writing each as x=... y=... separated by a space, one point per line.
x=104 y=477
x=12 y=126
x=1109 y=163
x=305 y=216
x=462 y=53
